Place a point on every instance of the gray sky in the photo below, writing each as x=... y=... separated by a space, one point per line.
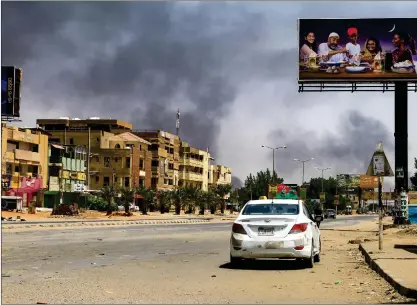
x=230 y=67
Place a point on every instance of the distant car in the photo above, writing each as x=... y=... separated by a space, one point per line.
x=330 y=213
x=278 y=228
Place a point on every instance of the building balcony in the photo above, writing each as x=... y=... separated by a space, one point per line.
x=27 y=155
x=55 y=160
x=21 y=136
x=190 y=176
x=191 y=162
x=9 y=157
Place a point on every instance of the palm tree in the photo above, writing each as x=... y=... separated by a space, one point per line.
x=148 y=195
x=190 y=197
x=222 y=190
x=164 y=200
x=207 y=199
x=108 y=193
x=177 y=196
x=127 y=197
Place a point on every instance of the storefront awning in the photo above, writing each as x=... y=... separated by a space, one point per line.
x=51 y=193
x=58 y=146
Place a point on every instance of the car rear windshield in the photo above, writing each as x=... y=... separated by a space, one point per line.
x=271 y=209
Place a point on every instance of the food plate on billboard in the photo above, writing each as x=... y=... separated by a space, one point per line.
x=357 y=50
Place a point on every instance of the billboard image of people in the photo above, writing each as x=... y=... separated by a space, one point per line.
x=357 y=49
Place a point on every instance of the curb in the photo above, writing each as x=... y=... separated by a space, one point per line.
x=398 y=285
x=104 y=223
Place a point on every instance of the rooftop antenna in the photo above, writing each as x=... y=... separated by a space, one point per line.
x=177 y=124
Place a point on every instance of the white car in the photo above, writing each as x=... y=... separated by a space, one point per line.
x=275 y=228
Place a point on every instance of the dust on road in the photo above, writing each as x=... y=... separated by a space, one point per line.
x=184 y=264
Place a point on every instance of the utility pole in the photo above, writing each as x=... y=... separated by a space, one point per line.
x=177 y=124
x=303 y=161
x=88 y=158
x=322 y=176
x=273 y=158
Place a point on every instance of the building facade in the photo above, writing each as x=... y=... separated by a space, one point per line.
x=117 y=157
x=24 y=162
x=194 y=167
x=220 y=174
x=165 y=149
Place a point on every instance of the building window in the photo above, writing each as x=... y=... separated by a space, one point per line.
x=9 y=168
x=98 y=159
x=154 y=181
x=117 y=146
x=155 y=163
x=35 y=148
x=141 y=182
x=127 y=181
x=106 y=161
x=127 y=162
x=171 y=166
x=71 y=141
x=106 y=181
x=97 y=179
x=154 y=147
x=141 y=164
x=140 y=147
x=17 y=169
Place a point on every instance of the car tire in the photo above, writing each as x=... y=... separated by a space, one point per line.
x=317 y=256
x=235 y=261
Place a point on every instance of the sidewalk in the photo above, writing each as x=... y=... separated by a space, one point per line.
x=396 y=265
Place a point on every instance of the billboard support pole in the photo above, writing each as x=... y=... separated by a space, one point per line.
x=401 y=138
x=381 y=215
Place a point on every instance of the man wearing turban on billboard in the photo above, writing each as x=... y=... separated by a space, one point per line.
x=332 y=50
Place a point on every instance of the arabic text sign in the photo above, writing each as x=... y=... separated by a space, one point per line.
x=368 y=182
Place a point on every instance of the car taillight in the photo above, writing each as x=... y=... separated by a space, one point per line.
x=238 y=228
x=298 y=228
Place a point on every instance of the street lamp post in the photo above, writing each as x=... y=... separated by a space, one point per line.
x=273 y=156
x=303 y=161
x=322 y=176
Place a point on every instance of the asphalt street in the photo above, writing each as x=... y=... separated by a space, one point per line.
x=184 y=263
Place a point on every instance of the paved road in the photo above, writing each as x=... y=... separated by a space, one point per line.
x=174 y=264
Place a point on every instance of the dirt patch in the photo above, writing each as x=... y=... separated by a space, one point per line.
x=407 y=232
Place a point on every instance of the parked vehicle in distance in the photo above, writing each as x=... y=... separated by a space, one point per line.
x=330 y=213
x=348 y=210
x=278 y=228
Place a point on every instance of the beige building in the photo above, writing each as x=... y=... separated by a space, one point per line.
x=220 y=174
x=117 y=156
x=194 y=165
x=165 y=148
x=24 y=158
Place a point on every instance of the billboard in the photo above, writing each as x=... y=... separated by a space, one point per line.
x=357 y=50
x=348 y=180
x=368 y=182
x=11 y=78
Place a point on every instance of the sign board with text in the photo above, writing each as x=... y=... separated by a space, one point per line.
x=368 y=182
x=357 y=50
x=348 y=180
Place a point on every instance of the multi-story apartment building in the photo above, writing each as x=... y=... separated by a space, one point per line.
x=165 y=148
x=67 y=173
x=122 y=160
x=194 y=167
x=24 y=162
x=220 y=174
x=116 y=155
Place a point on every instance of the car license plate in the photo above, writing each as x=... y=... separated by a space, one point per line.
x=265 y=231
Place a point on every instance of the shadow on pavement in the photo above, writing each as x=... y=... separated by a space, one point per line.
x=264 y=264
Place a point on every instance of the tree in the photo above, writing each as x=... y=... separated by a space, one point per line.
x=164 y=200
x=126 y=198
x=414 y=178
x=222 y=190
x=177 y=196
x=108 y=193
x=148 y=195
x=190 y=198
x=256 y=186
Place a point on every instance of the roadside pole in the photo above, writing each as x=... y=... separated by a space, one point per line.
x=381 y=215
x=380 y=167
